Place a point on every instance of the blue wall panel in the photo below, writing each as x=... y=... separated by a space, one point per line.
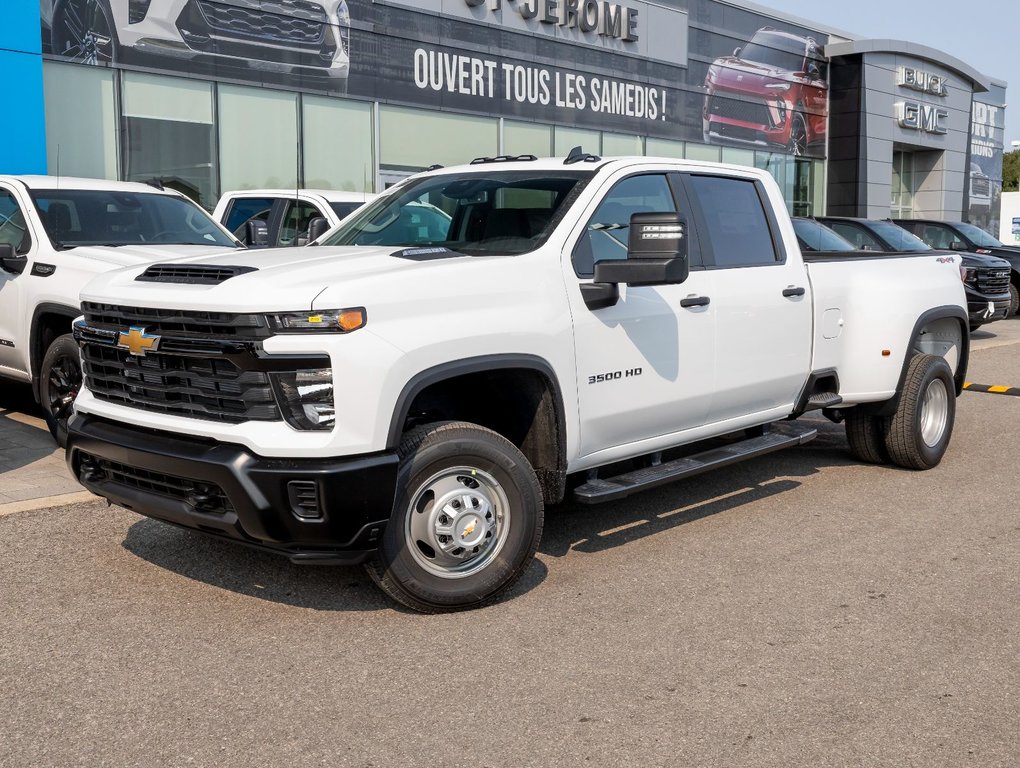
x=23 y=130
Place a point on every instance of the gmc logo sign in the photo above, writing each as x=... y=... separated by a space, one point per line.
x=926 y=118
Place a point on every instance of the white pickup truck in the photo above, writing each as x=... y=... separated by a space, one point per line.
x=55 y=235
x=413 y=400
x=276 y=218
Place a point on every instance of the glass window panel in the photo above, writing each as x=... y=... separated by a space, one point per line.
x=167 y=98
x=818 y=188
x=664 y=148
x=13 y=229
x=258 y=138
x=295 y=224
x=81 y=120
x=168 y=134
x=608 y=233
x=738 y=156
x=245 y=209
x=568 y=138
x=619 y=145
x=735 y=220
x=416 y=138
x=702 y=152
x=338 y=149
x=527 y=139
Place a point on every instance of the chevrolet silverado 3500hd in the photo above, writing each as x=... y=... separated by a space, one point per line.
x=412 y=402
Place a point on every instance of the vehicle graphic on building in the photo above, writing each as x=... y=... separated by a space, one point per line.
x=773 y=93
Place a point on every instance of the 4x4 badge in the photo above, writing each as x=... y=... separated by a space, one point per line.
x=137 y=341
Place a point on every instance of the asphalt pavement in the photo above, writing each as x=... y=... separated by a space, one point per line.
x=796 y=610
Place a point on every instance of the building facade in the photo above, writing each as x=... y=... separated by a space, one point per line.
x=211 y=95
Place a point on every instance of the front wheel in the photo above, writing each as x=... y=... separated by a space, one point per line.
x=84 y=31
x=920 y=429
x=466 y=522
x=1014 y=300
x=59 y=382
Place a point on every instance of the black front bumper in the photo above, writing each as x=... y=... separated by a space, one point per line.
x=225 y=490
x=977 y=306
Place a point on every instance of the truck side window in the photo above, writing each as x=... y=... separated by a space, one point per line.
x=294 y=229
x=859 y=236
x=13 y=229
x=733 y=221
x=245 y=209
x=608 y=230
x=939 y=237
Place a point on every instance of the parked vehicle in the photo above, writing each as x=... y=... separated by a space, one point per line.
x=958 y=236
x=269 y=218
x=412 y=399
x=980 y=187
x=57 y=233
x=306 y=38
x=813 y=236
x=985 y=278
x=772 y=92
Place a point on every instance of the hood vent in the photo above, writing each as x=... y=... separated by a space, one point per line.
x=190 y=274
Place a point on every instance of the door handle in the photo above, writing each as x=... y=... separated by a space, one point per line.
x=792 y=291
x=695 y=301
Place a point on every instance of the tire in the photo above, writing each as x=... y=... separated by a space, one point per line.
x=84 y=31
x=920 y=430
x=475 y=484
x=1014 y=300
x=866 y=435
x=798 y=136
x=59 y=382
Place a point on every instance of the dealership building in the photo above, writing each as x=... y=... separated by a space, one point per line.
x=216 y=95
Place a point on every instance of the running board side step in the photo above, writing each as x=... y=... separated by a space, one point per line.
x=600 y=490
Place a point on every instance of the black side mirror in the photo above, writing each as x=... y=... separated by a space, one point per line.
x=956 y=245
x=814 y=71
x=256 y=234
x=317 y=227
x=736 y=53
x=11 y=261
x=656 y=253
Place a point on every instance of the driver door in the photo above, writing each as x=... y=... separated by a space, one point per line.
x=13 y=312
x=644 y=366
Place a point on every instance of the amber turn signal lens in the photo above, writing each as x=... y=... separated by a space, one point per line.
x=351 y=320
x=886 y=352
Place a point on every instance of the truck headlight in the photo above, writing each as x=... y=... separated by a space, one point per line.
x=968 y=274
x=325 y=321
x=306 y=398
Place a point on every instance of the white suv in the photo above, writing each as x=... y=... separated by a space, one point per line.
x=310 y=37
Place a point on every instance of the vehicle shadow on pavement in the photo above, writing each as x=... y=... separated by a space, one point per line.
x=582 y=528
x=244 y=571
x=21 y=444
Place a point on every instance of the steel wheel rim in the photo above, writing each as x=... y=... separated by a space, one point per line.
x=87 y=32
x=62 y=388
x=934 y=413
x=457 y=522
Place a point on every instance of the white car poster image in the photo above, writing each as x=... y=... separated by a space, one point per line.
x=306 y=38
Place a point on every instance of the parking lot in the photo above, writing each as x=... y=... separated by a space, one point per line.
x=798 y=609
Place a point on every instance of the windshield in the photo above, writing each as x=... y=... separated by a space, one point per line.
x=343 y=210
x=978 y=236
x=897 y=237
x=74 y=217
x=813 y=236
x=776 y=51
x=479 y=214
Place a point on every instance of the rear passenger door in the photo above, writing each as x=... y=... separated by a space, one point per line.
x=760 y=296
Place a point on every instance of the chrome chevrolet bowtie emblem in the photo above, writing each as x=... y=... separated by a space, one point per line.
x=137 y=341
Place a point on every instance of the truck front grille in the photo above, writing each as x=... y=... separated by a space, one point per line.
x=207 y=498
x=993 y=282
x=203 y=388
x=194 y=325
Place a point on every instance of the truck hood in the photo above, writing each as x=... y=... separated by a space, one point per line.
x=982 y=260
x=281 y=279
x=128 y=255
